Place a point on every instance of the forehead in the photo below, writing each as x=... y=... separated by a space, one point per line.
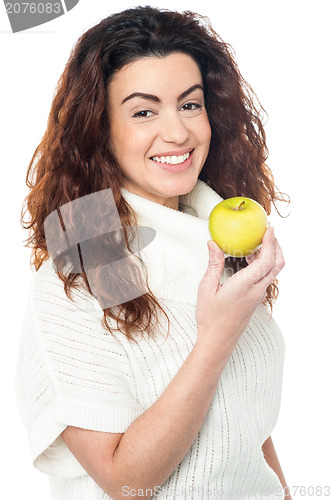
x=169 y=75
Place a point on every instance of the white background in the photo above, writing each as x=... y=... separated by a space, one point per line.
x=284 y=51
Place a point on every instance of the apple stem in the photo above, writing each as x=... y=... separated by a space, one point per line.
x=242 y=203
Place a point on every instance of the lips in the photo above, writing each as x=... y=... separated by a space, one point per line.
x=173 y=157
x=174 y=163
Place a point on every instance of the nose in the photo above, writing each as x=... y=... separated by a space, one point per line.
x=174 y=129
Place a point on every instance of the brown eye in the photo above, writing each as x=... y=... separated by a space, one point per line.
x=143 y=114
x=191 y=106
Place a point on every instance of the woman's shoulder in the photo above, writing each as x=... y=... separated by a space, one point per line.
x=76 y=316
x=53 y=318
x=48 y=289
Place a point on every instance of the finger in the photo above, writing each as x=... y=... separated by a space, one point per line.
x=213 y=247
x=268 y=237
x=264 y=262
x=250 y=258
x=278 y=266
x=215 y=265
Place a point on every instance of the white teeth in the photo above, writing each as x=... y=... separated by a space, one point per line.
x=172 y=160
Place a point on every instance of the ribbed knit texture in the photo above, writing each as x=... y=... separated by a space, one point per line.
x=73 y=372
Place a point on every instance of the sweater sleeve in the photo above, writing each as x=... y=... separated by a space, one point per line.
x=71 y=371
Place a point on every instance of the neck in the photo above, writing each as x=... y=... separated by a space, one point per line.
x=177 y=257
x=172 y=202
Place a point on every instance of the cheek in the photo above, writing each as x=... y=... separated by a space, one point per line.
x=131 y=139
x=205 y=131
x=119 y=140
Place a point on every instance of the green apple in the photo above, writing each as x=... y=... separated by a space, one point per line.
x=238 y=225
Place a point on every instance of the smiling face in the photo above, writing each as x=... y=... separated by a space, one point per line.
x=160 y=132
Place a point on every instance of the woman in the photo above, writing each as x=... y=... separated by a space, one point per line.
x=172 y=392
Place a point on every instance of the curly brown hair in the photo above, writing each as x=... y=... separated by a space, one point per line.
x=74 y=157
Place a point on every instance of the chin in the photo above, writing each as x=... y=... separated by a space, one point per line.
x=183 y=186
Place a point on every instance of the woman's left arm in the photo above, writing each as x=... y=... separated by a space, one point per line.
x=271 y=458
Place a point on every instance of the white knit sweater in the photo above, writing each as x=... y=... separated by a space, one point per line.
x=72 y=372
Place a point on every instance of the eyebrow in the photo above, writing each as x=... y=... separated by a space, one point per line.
x=154 y=98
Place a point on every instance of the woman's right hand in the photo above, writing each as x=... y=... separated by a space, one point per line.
x=224 y=311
